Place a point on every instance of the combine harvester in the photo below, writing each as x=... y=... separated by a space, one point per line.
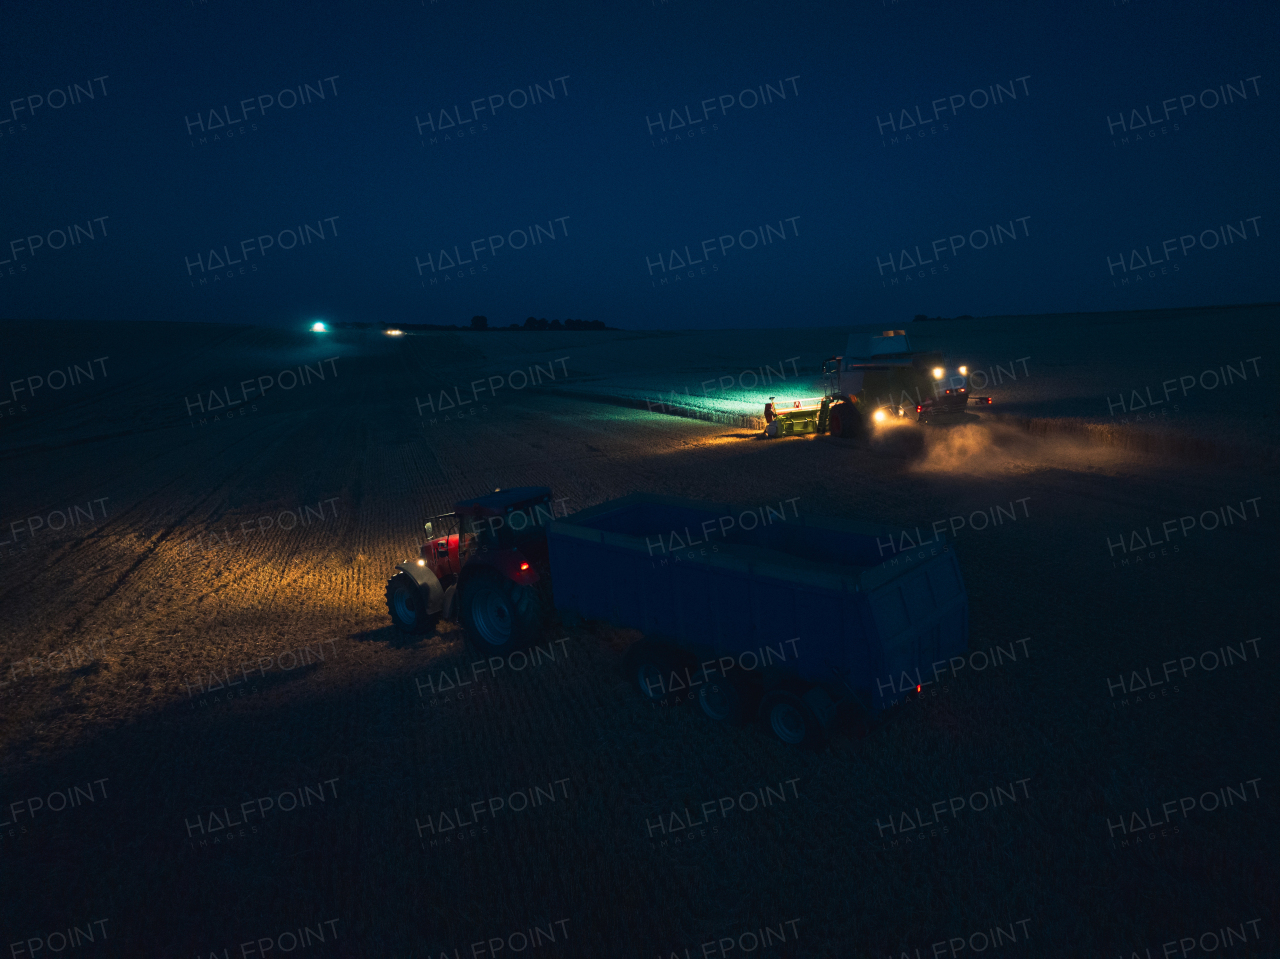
x=789 y=620
x=879 y=379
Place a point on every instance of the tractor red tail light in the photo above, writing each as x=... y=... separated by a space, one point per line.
x=918 y=688
x=988 y=401
x=919 y=408
x=523 y=567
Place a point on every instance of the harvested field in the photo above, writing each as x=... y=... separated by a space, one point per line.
x=213 y=634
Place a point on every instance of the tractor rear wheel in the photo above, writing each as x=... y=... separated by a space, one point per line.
x=408 y=606
x=500 y=616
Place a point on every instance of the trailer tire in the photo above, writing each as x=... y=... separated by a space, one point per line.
x=500 y=616
x=408 y=606
x=649 y=666
x=730 y=700
x=786 y=714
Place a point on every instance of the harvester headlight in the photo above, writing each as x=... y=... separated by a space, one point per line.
x=395 y=333
x=964 y=371
x=879 y=416
x=319 y=327
x=938 y=372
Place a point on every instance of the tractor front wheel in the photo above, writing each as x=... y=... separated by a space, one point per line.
x=500 y=616
x=408 y=606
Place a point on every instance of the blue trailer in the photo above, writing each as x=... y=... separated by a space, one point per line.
x=751 y=612
x=756 y=613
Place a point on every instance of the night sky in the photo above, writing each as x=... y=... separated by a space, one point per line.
x=649 y=164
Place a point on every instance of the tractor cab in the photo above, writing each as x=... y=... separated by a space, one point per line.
x=501 y=520
x=507 y=519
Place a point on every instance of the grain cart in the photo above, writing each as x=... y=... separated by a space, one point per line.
x=884 y=371
x=754 y=614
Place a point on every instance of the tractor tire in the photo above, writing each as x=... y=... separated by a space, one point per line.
x=500 y=616
x=785 y=713
x=729 y=699
x=408 y=606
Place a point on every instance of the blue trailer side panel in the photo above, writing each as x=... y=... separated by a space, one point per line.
x=682 y=570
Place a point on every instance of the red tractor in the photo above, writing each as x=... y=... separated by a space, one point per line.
x=493 y=573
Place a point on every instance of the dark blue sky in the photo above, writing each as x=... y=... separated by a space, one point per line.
x=621 y=210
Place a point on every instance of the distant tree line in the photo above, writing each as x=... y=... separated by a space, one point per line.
x=920 y=317
x=533 y=323
x=482 y=323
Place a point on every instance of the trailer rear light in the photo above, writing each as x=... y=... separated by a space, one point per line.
x=988 y=401
x=919 y=408
x=523 y=567
x=918 y=688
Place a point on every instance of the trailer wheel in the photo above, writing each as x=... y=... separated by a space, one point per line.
x=789 y=718
x=728 y=700
x=500 y=616
x=649 y=666
x=407 y=606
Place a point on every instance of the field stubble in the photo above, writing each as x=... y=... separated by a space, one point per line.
x=167 y=614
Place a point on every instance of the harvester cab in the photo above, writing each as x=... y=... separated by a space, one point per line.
x=500 y=546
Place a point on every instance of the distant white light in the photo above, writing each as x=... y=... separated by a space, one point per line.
x=318 y=327
x=395 y=333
